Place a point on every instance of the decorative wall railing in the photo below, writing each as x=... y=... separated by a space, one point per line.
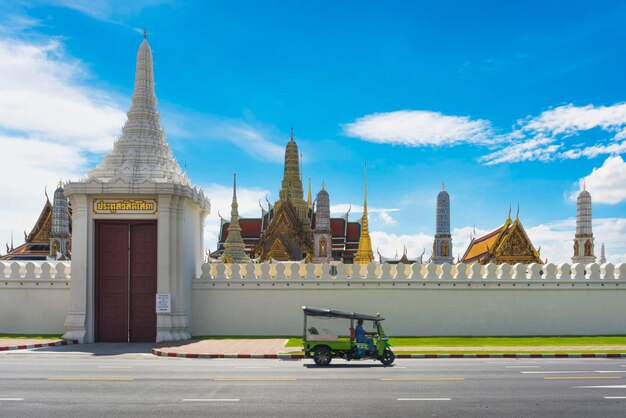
x=41 y=274
x=452 y=274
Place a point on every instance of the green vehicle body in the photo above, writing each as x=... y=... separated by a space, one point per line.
x=323 y=348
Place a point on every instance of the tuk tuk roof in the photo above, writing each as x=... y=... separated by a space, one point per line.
x=333 y=313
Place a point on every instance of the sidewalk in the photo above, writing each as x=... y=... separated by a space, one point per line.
x=221 y=348
x=7 y=344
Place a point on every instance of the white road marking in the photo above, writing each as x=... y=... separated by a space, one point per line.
x=252 y=367
x=615 y=397
x=602 y=387
x=424 y=399
x=522 y=367
x=575 y=371
x=115 y=367
x=11 y=399
x=210 y=400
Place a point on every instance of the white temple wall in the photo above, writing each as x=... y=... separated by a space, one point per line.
x=491 y=301
x=266 y=299
x=34 y=297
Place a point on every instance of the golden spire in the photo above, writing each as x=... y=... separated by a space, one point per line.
x=309 y=200
x=292 y=183
x=364 y=254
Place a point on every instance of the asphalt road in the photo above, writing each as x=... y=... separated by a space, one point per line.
x=101 y=382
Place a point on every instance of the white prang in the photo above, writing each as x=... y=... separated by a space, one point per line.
x=141 y=155
x=583 y=240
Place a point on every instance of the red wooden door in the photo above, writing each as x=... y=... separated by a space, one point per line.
x=126 y=284
x=112 y=282
x=143 y=283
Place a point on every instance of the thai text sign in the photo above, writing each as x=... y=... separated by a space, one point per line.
x=125 y=206
x=163 y=303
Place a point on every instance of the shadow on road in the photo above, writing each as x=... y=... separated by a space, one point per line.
x=99 y=349
x=345 y=366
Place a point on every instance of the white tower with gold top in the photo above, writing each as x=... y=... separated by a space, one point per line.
x=115 y=282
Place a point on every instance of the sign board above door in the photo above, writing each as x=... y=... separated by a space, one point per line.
x=125 y=206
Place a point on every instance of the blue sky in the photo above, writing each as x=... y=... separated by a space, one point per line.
x=506 y=103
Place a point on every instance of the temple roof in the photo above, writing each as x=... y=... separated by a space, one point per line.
x=508 y=243
x=37 y=242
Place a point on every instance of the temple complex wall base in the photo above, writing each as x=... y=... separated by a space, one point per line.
x=75 y=326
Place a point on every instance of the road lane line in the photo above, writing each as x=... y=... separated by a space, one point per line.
x=615 y=397
x=420 y=379
x=522 y=367
x=424 y=399
x=559 y=372
x=210 y=400
x=602 y=387
x=252 y=367
x=11 y=399
x=255 y=379
x=581 y=377
x=115 y=367
x=92 y=379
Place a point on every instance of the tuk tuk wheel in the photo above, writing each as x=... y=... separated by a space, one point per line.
x=388 y=357
x=322 y=355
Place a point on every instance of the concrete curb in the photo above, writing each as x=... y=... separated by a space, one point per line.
x=42 y=345
x=516 y=355
x=161 y=353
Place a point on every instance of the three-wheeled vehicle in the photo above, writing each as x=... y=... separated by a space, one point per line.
x=324 y=347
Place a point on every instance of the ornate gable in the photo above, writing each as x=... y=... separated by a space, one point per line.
x=284 y=239
x=516 y=247
x=43 y=227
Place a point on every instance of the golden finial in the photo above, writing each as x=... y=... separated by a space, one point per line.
x=509 y=217
x=584 y=185
x=364 y=253
x=517 y=214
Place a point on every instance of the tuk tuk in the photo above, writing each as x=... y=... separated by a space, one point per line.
x=323 y=347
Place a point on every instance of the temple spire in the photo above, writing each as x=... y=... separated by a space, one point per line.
x=292 y=189
x=364 y=254
x=234 y=249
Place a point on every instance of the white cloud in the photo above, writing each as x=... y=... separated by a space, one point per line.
x=254 y=138
x=386 y=218
x=545 y=137
x=391 y=244
x=570 y=119
x=607 y=183
x=556 y=239
x=42 y=95
x=419 y=128
x=541 y=149
x=49 y=122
